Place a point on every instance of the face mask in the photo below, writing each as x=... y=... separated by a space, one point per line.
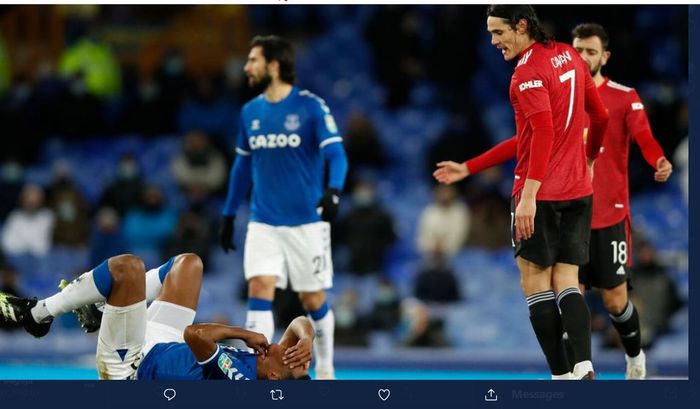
x=66 y=211
x=173 y=66
x=363 y=197
x=197 y=158
x=77 y=88
x=128 y=170
x=12 y=172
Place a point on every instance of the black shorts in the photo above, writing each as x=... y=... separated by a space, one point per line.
x=562 y=232
x=609 y=257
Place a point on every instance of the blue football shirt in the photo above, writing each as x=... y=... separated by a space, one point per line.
x=175 y=361
x=284 y=140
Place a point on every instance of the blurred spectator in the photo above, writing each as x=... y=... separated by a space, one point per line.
x=148 y=228
x=454 y=26
x=350 y=328
x=399 y=51
x=444 y=224
x=680 y=162
x=208 y=111
x=654 y=294
x=107 y=240
x=150 y=112
x=93 y=61
x=464 y=138
x=386 y=313
x=363 y=147
x=8 y=285
x=28 y=229
x=11 y=180
x=124 y=192
x=367 y=230
x=192 y=235
x=70 y=208
x=200 y=169
x=437 y=281
x=20 y=122
x=490 y=209
x=418 y=328
x=5 y=76
x=77 y=113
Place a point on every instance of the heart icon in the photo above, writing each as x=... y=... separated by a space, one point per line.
x=384 y=394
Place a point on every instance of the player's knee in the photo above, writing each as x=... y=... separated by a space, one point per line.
x=190 y=264
x=614 y=303
x=312 y=301
x=262 y=287
x=127 y=267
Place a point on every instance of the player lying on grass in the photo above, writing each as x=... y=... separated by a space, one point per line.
x=160 y=341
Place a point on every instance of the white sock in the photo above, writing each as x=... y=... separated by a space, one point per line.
x=323 y=343
x=81 y=291
x=637 y=360
x=153 y=284
x=582 y=368
x=262 y=322
x=564 y=377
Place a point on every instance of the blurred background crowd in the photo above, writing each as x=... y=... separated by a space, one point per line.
x=118 y=127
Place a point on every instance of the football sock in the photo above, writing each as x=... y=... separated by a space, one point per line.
x=576 y=320
x=89 y=288
x=259 y=317
x=546 y=322
x=323 y=321
x=627 y=325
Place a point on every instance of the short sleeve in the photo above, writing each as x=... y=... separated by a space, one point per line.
x=217 y=366
x=531 y=91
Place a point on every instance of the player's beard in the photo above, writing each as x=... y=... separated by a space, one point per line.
x=260 y=83
x=595 y=70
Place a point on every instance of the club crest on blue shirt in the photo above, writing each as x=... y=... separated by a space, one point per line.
x=292 y=122
x=255 y=125
x=225 y=362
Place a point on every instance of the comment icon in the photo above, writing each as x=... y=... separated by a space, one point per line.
x=169 y=394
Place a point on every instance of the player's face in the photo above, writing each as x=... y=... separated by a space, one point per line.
x=281 y=371
x=505 y=38
x=591 y=50
x=256 y=68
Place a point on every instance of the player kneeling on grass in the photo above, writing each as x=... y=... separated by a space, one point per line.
x=160 y=341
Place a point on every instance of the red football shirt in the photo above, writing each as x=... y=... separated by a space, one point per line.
x=628 y=121
x=553 y=78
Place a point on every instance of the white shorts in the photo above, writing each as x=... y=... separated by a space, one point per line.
x=300 y=255
x=128 y=333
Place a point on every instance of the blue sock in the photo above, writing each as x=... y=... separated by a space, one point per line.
x=103 y=279
x=259 y=304
x=318 y=314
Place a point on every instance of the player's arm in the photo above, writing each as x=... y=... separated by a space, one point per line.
x=598 y=115
x=333 y=152
x=202 y=339
x=298 y=340
x=450 y=172
x=637 y=125
x=240 y=180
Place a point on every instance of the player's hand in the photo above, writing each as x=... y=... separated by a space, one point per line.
x=226 y=234
x=525 y=219
x=450 y=172
x=258 y=342
x=299 y=354
x=589 y=164
x=327 y=207
x=663 y=170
